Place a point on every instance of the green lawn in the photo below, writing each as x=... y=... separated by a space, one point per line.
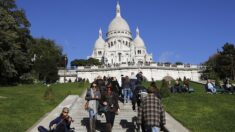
x=202 y=112
x=25 y=104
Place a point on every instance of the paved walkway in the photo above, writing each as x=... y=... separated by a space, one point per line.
x=125 y=121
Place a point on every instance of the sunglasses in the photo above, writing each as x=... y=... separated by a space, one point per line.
x=65 y=112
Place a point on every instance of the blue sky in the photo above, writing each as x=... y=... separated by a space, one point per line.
x=173 y=30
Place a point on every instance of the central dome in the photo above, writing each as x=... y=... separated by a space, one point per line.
x=118 y=23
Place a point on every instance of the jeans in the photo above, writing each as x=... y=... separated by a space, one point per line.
x=155 y=129
x=152 y=129
x=92 y=121
x=91 y=113
x=213 y=90
x=127 y=94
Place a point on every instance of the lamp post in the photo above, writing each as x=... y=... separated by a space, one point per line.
x=65 y=60
x=232 y=66
x=76 y=75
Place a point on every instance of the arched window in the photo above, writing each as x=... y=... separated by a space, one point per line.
x=139 y=51
x=119 y=57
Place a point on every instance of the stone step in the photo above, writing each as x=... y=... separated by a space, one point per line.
x=123 y=121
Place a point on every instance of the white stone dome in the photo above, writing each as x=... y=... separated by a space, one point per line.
x=118 y=24
x=99 y=43
x=138 y=40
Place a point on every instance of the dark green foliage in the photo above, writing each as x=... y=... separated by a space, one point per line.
x=22 y=58
x=48 y=57
x=217 y=83
x=164 y=90
x=83 y=62
x=26 y=78
x=14 y=41
x=221 y=64
x=179 y=63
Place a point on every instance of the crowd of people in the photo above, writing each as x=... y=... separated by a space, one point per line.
x=103 y=96
x=104 y=93
x=181 y=86
x=102 y=99
x=226 y=87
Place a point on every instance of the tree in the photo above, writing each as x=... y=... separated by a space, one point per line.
x=83 y=62
x=179 y=63
x=49 y=57
x=221 y=64
x=78 y=62
x=227 y=60
x=93 y=61
x=15 y=64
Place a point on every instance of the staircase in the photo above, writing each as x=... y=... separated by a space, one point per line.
x=124 y=121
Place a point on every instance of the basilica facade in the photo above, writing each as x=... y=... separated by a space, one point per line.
x=118 y=47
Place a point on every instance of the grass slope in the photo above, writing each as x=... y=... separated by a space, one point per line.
x=25 y=104
x=202 y=112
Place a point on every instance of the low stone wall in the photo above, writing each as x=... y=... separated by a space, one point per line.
x=67 y=102
x=150 y=73
x=173 y=125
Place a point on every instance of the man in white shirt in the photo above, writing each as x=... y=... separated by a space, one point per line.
x=211 y=86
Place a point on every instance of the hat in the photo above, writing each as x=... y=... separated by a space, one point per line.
x=65 y=109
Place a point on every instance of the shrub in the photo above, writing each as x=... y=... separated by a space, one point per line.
x=217 y=83
x=26 y=78
x=49 y=94
x=164 y=90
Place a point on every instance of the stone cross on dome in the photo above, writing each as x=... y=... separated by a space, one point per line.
x=137 y=31
x=100 y=32
x=118 y=10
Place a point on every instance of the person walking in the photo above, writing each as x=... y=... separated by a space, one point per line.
x=139 y=92
x=110 y=101
x=151 y=113
x=115 y=85
x=93 y=96
x=126 y=89
x=133 y=82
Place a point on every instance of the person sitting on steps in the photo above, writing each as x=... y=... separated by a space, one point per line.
x=59 y=124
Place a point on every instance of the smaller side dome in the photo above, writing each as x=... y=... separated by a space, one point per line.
x=139 y=43
x=99 y=43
